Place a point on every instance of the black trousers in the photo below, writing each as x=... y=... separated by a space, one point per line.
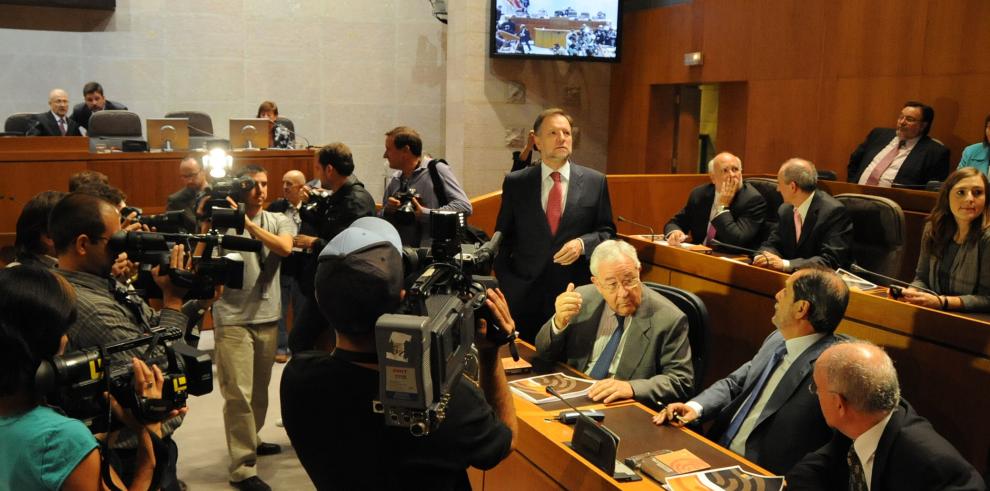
x=124 y=459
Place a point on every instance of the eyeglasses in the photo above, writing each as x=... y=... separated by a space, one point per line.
x=626 y=283
x=813 y=389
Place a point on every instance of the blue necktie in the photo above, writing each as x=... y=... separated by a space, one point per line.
x=600 y=369
x=740 y=416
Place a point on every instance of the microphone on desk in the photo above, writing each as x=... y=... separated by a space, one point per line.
x=294 y=134
x=890 y=281
x=592 y=416
x=653 y=236
x=719 y=243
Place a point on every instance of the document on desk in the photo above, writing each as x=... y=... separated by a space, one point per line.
x=726 y=478
x=534 y=389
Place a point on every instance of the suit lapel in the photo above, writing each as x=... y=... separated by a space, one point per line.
x=793 y=379
x=532 y=193
x=634 y=348
x=585 y=333
x=884 y=445
x=786 y=225
x=809 y=221
x=573 y=193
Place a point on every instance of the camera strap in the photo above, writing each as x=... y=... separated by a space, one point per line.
x=439 y=188
x=129 y=299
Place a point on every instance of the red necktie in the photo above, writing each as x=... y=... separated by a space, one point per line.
x=554 y=202
x=882 y=166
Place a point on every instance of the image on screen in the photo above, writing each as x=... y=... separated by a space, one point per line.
x=586 y=30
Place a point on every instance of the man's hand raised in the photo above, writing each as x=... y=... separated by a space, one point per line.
x=567 y=305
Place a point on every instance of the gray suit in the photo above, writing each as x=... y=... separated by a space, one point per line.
x=656 y=355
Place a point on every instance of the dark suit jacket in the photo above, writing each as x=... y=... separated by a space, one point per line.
x=910 y=455
x=826 y=235
x=656 y=356
x=739 y=226
x=526 y=256
x=46 y=125
x=791 y=424
x=81 y=112
x=928 y=160
x=185 y=200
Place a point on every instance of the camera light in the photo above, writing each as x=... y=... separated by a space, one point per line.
x=218 y=162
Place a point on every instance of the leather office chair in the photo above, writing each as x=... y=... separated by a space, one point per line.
x=18 y=123
x=288 y=124
x=878 y=232
x=200 y=123
x=767 y=187
x=111 y=123
x=698 y=326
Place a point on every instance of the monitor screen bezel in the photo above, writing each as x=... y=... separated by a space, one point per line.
x=493 y=52
x=155 y=141
x=260 y=139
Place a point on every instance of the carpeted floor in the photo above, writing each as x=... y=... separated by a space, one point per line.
x=202 y=443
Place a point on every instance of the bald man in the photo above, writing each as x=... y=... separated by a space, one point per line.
x=294 y=195
x=880 y=442
x=814 y=229
x=727 y=209
x=55 y=122
x=194 y=186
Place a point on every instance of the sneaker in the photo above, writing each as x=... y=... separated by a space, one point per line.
x=268 y=449
x=253 y=483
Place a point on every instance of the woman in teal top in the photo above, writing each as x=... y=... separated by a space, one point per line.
x=40 y=447
x=978 y=154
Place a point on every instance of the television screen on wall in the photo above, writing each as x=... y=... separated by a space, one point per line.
x=575 y=30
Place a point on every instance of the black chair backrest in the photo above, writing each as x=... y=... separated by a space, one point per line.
x=115 y=123
x=767 y=187
x=200 y=123
x=827 y=175
x=878 y=232
x=18 y=123
x=698 y=326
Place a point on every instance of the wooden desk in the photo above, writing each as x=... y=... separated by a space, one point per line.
x=541 y=460
x=32 y=165
x=942 y=358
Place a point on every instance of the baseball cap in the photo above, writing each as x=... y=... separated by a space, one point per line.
x=359 y=275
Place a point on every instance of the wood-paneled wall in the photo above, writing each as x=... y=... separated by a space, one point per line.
x=816 y=75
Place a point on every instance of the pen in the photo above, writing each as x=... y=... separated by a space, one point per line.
x=661 y=406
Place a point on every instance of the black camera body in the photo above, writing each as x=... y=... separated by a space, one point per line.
x=424 y=348
x=152 y=249
x=75 y=382
x=217 y=208
x=317 y=208
x=405 y=214
x=174 y=221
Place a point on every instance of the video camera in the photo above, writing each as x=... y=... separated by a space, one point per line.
x=218 y=209
x=423 y=349
x=169 y=222
x=317 y=207
x=152 y=249
x=75 y=382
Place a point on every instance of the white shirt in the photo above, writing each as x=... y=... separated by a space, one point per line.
x=866 y=446
x=795 y=348
x=546 y=183
x=887 y=178
x=606 y=326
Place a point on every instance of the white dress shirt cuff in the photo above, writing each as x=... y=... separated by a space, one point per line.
x=697 y=407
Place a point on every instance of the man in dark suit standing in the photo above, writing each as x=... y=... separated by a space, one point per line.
x=628 y=337
x=54 y=122
x=881 y=443
x=905 y=155
x=552 y=217
x=814 y=229
x=93 y=93
x=194 y=188
x=763 y=410
x=728 y=209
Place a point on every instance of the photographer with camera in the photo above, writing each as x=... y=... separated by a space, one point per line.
x=81 y=225
x=323 y=217
x=42 y=448
x=327 y=397
x=420 y=184
x=246 y=330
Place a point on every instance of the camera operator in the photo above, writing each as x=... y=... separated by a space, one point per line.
x=41 y=448
x=327 y=397
x=321 y=222
x=435 y=185
x=81 y=225
x=246 y=333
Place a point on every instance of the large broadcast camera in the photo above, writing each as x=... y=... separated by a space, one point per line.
x=174 y=221
x=75 y=382
x=423 y=349
x=152 y=249
x=217 y=209
x=316 y=209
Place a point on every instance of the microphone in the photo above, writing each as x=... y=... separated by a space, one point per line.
x=653 y=236
x=719 y=243
x=583 y=414
x=859 y=269
x=294 y=134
